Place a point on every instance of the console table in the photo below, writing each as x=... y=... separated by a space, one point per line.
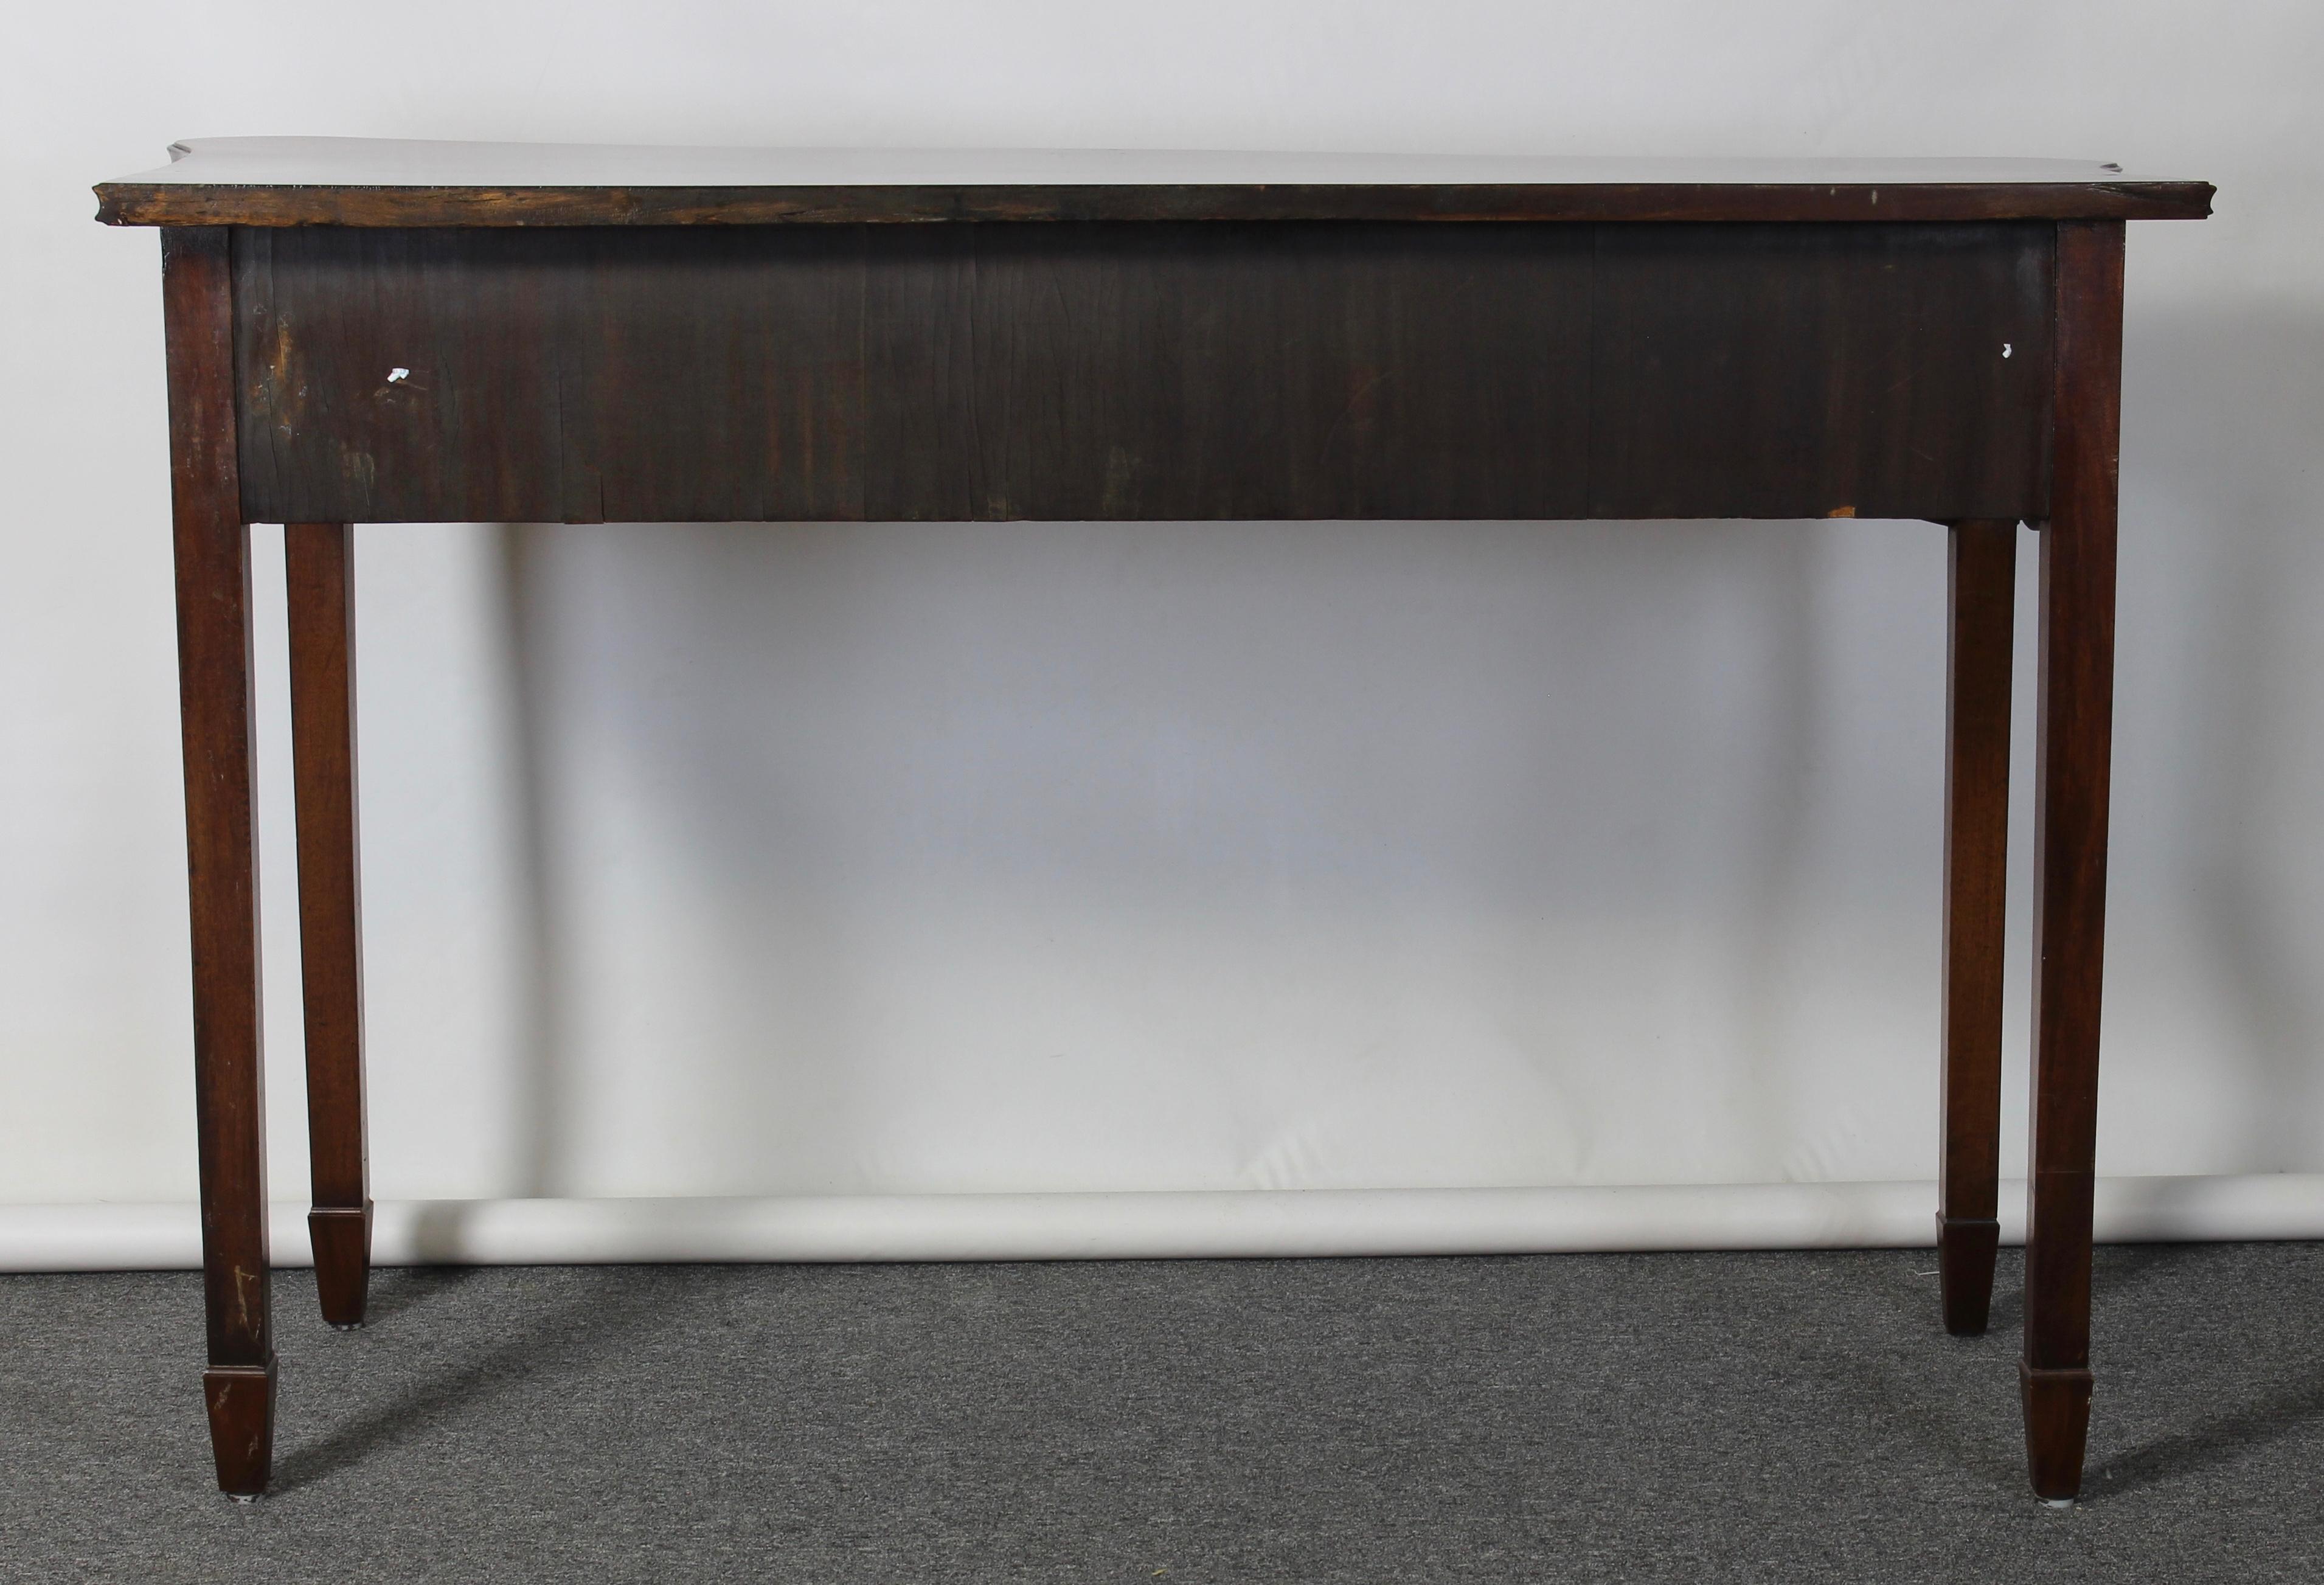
x=398 y=332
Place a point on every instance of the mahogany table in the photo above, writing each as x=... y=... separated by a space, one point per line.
x=384 y=332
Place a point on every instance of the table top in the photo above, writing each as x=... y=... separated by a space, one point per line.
x=367 y=181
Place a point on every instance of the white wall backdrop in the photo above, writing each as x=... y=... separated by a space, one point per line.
x=734 y=860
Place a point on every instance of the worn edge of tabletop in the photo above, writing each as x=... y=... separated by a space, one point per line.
x=153 y=203
x=386 y=182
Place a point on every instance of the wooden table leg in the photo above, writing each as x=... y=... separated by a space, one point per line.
x=1983 y=598
x=320 y=575
x=2077 y=578
x=212 y=547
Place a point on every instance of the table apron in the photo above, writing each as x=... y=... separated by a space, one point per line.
x=1146 y=370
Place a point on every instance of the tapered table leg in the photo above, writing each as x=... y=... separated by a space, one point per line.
x=1983 y=580
x=2075 y=734
x=212 y=553
x=318 y=559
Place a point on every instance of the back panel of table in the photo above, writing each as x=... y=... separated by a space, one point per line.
x=1144 y=370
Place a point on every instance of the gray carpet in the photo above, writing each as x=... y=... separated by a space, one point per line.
x=1792 y=1417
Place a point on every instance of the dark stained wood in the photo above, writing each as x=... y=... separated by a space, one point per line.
x=318 y=559
x=341 y=1239
x=212 y=547
x=366 y=182
x=1797 y=371
x=578 y=376
x=1983 y=576
x=2069 y=848
x=1222 y=371
x=240 y=1401
x=130 y=203
x=1967 y=1249
x=2057 y=1409
x=1353 y=364
x=1160 y=373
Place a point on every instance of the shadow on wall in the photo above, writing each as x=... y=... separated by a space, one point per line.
x=2223 y=429
x=1185 y=721
x=838 y=738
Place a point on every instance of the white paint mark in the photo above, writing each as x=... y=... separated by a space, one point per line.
x=395 y=374
x=2005 y=349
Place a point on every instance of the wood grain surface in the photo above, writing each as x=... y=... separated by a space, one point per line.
x=212 y=546
x=1982 y=577
x=1152 y=372
x=1202 y=344
x=2072 y=779
x=362 y=181
x=319 y=577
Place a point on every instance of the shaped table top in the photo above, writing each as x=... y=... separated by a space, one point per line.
x=370 y=181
